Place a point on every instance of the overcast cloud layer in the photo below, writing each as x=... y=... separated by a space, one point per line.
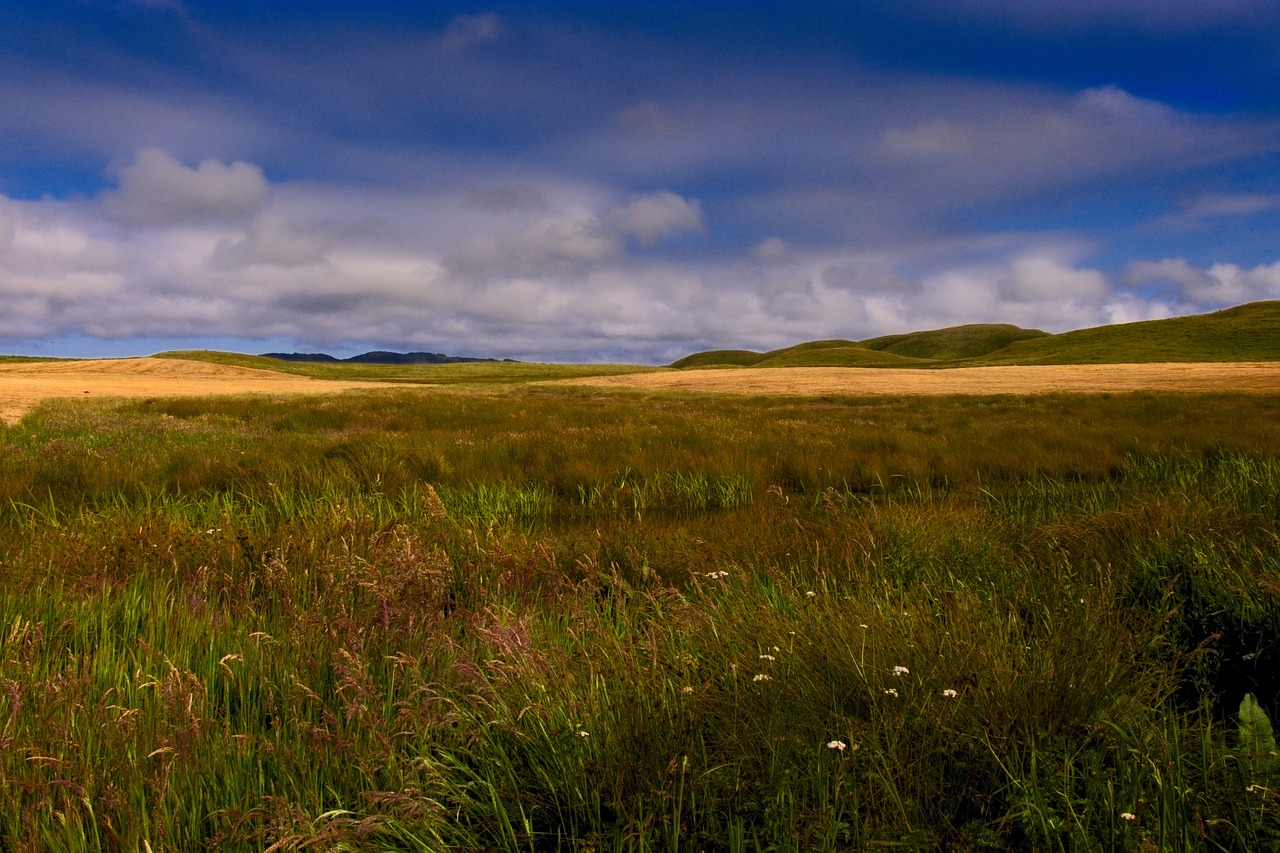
x=581 y=183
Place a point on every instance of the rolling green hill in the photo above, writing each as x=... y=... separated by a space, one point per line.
x=835 y=353
x=1245 y=333
x=956 y=342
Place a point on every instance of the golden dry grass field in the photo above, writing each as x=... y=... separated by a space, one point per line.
x=1256 y=377
x=24 y=385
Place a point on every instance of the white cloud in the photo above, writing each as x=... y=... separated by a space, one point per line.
x=655 y=217
x=275 y=244
x=1219 y=285
x=158 y=190
x=1039 y=278
x=521 y=267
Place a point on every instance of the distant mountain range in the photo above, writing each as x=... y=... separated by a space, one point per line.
x=1245 y=333
x=380 y=357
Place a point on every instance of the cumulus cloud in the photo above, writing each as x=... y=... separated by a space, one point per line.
x=658 y=216
x=1037 y=278
x=1219 y=285
x=273 y=244
x=508 y=198
x=156 y=189
x=519 y=267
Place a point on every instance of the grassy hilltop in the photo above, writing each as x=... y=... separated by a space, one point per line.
x=1245 y=333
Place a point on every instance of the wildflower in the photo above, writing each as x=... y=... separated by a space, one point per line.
x=584 y=734
x=891 y=692
x=766 y=657
x=863 y=625
x=901 y=670
x=717 y=575
x=686 y=690
x=838 y=745
x=761 y=677
x=810 y=594
x=1129 y=816
x=949 y=694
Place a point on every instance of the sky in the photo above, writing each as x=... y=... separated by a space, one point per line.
x=596 y=181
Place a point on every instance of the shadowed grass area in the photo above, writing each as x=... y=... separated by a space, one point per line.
x=538 y=619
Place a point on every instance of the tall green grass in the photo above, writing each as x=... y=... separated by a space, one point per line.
x=549 y=619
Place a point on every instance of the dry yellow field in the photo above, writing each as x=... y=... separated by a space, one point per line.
x=1256 y=377
x=25 y=384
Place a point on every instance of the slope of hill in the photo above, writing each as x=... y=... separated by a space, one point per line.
x=836 y=353
x=955 y=342
x=1245 y=333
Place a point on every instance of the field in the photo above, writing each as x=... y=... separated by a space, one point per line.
x=502 y=613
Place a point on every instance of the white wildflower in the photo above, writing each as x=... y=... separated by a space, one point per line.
x=766 y=657
x=1129 y=816
x=584 y=734
x=761 y=677
x=810 y=594
x=891 y=692
x=837 y=745
x=901 y=670
x=949 y=694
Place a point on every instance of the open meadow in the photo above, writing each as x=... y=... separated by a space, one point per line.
x=501 y=614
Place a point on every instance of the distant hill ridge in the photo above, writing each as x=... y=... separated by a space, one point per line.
x=380 y=357
x=1245 y=333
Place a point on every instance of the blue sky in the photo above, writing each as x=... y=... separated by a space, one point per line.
x=587 y=181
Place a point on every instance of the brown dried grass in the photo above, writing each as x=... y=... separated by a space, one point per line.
x=1254 y=377
x=24 y=385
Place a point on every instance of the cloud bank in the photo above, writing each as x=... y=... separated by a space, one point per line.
x=584 y=188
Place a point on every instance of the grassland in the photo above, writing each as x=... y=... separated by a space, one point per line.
x=550 y=618
x=1244 y=333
